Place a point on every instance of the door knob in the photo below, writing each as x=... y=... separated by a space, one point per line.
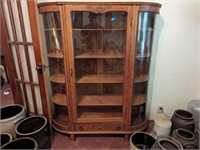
x=40 y=68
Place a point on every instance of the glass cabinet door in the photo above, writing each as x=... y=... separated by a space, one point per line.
x=142 y=64
x=56 y=77
x=99 y=42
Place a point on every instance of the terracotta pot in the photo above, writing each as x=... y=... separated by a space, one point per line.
x=166 y=142
x=185 y=137
x=141 y=140
x=182 y=119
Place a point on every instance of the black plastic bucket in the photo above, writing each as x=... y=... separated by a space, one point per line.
x=35 y=127
x=22 y=143
x=5 y=138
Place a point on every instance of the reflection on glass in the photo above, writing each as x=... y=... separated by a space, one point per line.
x=52 y=32
x=89 y=20
x=142 y=65
x=145 y=33
x=53 y=40
x=99 y=50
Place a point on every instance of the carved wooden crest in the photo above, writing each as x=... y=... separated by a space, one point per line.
x=99 y=8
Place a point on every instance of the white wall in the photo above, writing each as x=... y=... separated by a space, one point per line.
x=177 y=68
x=175 y=71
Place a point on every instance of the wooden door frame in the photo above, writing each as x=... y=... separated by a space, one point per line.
x=36 y=43
x=10 y=66
x=36 y=39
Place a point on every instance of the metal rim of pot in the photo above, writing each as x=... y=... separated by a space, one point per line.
x=170 y=140
x=13 y=117
x=31 y=133
x=23 y=138
x=185 y=111
x=185 y=131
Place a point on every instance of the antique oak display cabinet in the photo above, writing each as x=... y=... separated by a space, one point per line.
x=98 y=56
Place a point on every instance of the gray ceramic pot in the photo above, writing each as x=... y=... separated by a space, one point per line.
x=182 y=119
x=185 y=137
x=166 y=143
x=141 y=140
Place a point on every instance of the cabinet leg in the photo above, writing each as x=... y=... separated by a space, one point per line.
x=72 y=137
x=126 y=137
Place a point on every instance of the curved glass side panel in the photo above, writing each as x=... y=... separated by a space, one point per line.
x=142 y=66
x=56 y=77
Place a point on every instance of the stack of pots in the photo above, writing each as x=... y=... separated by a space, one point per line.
x=183 y=128
x=143 y=140
x=182 y=134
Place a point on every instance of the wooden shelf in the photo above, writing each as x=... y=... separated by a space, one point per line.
x=100 y=115
x=98 y=100
x=81 y=29
x=52 y=29
x=57 y=78
x=141 y=78
x=139 y=99
x=100 y=79
x=55 y=55
x=101 y=55
x=97 y=113
x=60 y=99
x=143 y=56
x=100 y=119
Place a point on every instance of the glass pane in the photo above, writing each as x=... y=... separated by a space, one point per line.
x=145 y=33
x=142 y=66
x=52 y=30
x=51 y=20
x=54 y=53
x=99 y=50
x=89 y=20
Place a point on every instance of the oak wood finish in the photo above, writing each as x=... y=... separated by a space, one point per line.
x=93 y=112
x=100 y=79
x=34 y=22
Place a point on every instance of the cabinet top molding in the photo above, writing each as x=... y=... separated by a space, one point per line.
x=143 y=6
x=99 y=3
